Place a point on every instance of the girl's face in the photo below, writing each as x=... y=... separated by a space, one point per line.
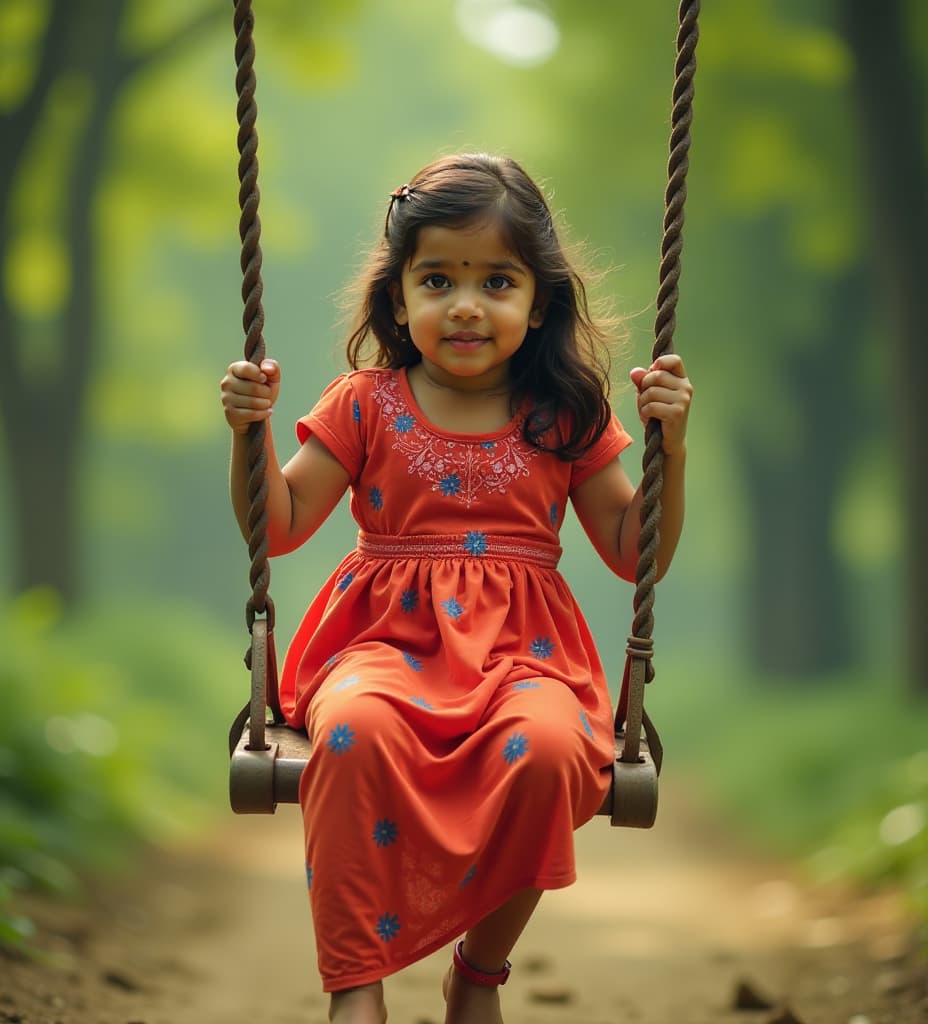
x=468 y=302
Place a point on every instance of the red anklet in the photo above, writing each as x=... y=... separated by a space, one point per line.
x=475 y=977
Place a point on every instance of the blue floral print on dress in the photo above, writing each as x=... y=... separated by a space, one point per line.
x=385 y=832
x=309 y=877
x=345 y=582
x=341 y=738
x=553 y=513
x=452 y=608
x=409 y=600
x=450 y=485
x=475 y=542
x=376 y=499
x=471 y=871
x=542 y=647
x=356 y=411
x=388 y=925
x=346 y=682
x=587 y=728
x=421 y=702
x=527 y=684
x=403 y=423
x=412 y=661
x=515 y=747
x=488 y=445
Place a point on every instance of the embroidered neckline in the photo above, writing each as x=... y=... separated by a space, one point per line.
x=458 y=466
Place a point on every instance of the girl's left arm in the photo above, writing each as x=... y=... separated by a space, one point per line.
x=609 y=507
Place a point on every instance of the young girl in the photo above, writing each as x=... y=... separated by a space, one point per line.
x=460 y=718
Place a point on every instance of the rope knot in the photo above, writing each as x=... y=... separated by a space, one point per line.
x=640 y=647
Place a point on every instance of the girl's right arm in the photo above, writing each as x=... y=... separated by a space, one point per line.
x=302 y=494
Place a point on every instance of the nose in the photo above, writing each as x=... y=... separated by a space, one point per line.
x=465 y=305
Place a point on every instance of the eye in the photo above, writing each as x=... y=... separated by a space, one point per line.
x=435 y=282
x=498 y=282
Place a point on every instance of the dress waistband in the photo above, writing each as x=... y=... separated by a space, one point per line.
x=472 y=544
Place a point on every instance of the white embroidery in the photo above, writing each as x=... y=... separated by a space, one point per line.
x=458 y=469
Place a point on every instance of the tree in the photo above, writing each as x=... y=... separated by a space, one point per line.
x=891 y=116
x=77 y=63
x=771 y=287
x=43 y=413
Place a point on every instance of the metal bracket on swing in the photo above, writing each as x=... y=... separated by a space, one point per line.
x=632 y=800
x=268 y=758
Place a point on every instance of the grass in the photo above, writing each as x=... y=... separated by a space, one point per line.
x=831 y=771
x=113 y=735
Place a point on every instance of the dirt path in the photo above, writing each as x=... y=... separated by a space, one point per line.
x=660 y=929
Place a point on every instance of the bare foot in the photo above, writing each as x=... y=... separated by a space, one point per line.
x=362 y=1005
x=469 y=1004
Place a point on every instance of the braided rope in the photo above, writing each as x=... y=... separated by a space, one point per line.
x=253 y=313
x=665 y=322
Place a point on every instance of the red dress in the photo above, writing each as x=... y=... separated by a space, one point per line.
x=460 y=718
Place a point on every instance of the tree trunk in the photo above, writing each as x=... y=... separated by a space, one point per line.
x=43 y=420
x=44 y=470
x=798 y=617
x=891 y=117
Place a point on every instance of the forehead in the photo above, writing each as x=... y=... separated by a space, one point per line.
x=478 y=244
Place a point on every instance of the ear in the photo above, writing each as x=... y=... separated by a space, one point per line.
x=537 y=317
x=399 y=308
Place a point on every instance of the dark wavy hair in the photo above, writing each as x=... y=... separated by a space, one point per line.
x=561 y=366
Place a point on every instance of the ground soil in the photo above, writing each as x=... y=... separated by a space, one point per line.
x=676 y=925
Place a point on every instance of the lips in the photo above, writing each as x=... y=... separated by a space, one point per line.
x=466 y=336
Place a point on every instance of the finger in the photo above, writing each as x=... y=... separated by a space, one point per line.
x=668 y=395
x=662 y=410
x=244 y=369
x=231 y=385
x=671 y=416
x=671 y=362
x=271 y=369
x=665 y=379
x=636 y=375
x=240 y=419
x=243 y=402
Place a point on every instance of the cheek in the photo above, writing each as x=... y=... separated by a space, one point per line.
x=427 y=313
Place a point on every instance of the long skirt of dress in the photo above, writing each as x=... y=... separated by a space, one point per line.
x=429 y=799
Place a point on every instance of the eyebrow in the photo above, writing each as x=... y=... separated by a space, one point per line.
x=514 y=268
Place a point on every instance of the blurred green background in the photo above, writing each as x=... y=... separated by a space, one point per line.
x=792 y=650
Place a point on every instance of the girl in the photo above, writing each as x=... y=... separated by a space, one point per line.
x=459 y=714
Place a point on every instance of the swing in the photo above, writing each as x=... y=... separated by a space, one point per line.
x=268 y=757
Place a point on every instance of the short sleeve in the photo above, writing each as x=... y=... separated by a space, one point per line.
x=336 y=421
x=615 y=439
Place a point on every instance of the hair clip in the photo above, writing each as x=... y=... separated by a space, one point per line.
x=400 y=193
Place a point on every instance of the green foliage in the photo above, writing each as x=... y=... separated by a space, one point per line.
x=833 y=771
x=112 y=734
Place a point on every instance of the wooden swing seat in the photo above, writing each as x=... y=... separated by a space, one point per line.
x=260 y=779
x=268 y=759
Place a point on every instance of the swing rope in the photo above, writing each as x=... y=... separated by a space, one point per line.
x=640 y=649
x=249 y=228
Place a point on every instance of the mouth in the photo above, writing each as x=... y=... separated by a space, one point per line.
x=466 y=339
